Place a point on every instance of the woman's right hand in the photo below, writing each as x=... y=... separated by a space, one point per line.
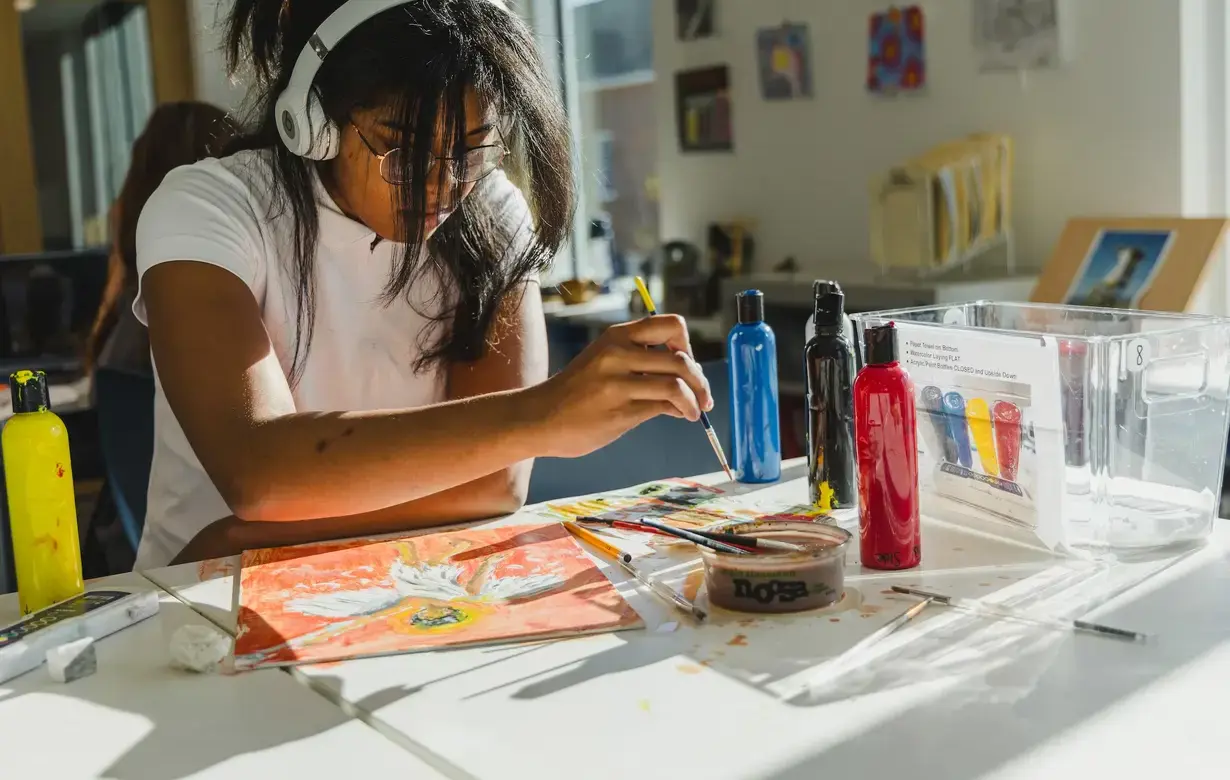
x=618 y=382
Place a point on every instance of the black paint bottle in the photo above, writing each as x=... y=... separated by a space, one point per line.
x=829 y=364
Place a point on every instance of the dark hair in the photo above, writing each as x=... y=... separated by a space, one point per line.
x=176 y=134
x=418 y=59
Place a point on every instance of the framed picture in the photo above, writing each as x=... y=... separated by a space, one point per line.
x=785 y=68
x=896 y=55
x=702 y=109
x=694 y=19
x=1154 y=264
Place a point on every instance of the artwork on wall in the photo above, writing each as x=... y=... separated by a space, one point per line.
x=694 y=19
x=341 y=600
x=702 y=109
x=1017 y=34
x=896 y=59
x=785 y=66
x=1151 y=263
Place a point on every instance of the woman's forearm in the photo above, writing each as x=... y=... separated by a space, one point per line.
x=490 y=496
x=363 y=462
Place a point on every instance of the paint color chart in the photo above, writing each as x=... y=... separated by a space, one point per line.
x=989 y=427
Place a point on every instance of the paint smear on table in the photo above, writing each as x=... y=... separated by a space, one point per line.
x=336 y=601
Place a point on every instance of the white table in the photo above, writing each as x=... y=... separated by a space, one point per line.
x=949 y=697
x=138 y=718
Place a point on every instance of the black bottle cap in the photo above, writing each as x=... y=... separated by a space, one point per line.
x=751 y=307
x=880 y=345
x=29 y=390
x=830 y=303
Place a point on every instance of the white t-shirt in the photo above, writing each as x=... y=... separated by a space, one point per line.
x=362 y=353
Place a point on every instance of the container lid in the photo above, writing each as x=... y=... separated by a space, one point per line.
x=750 y=304
x=830 y=303
x=880 y=345
x=29 y=391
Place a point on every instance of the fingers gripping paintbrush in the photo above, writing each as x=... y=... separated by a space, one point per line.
x=704 y=418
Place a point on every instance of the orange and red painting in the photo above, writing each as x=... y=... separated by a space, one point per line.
x=336 y=601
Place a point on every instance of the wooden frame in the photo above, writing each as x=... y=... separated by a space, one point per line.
x=21 y=227
x=1150 y=263
x=171 y=47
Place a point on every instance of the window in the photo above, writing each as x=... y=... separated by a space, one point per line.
x=604 y=58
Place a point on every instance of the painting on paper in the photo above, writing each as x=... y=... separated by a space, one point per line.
x=336 y=601
x=675 y=501
x=1017 y=34
x=896 y=59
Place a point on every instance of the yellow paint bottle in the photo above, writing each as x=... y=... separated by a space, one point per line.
x=42 y=505
x=979 y=416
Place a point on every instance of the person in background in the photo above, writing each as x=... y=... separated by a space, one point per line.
x=353 y=343
x=176 y=134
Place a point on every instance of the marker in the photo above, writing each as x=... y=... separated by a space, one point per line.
x=704 y=418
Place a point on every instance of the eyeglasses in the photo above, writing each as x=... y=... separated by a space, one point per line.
x=476 y=164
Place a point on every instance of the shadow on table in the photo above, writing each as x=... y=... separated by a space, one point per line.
x=1053 y=681
x=208 y=720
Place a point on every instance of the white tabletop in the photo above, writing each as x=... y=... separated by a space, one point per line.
x=949 y=697
x=138 y=718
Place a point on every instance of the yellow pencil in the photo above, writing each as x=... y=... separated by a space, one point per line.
x=704 y=418
x=625 y=562
x=592 y=539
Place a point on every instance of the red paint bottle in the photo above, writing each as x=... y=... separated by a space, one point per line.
x=886 y=443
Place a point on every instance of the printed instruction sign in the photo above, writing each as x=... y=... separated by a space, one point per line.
x=990 y=430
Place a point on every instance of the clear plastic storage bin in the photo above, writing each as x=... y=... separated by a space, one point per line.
x=1140 y=420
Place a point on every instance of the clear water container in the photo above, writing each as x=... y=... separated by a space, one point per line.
x=1143 y=406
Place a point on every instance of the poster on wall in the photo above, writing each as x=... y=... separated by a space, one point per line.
x=785 y=67
x=702 y=109
x=1017 y=34
x=896 y=59
x=694 y=19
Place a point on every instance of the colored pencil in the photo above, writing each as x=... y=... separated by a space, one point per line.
x=697 y=539
x=1009 y=613
x=625 y=562
x=704 y=418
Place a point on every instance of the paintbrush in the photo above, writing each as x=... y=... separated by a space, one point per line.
x=697 y=539
x=704 y=418
x=738 y=540
x=842 y=662
x=624 y=560
x=1010 y=613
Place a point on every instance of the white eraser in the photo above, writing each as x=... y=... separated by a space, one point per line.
x=72 y=660
x=199 y=648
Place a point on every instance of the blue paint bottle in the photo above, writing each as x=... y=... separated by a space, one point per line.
x=755 y=428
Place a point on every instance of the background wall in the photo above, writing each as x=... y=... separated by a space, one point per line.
x=212 y=84
x=1103 y=135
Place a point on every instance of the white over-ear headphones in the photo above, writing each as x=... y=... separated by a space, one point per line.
x=301 y=119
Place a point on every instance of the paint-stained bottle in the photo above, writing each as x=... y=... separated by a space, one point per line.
x=42 y=506
x=829 y=369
